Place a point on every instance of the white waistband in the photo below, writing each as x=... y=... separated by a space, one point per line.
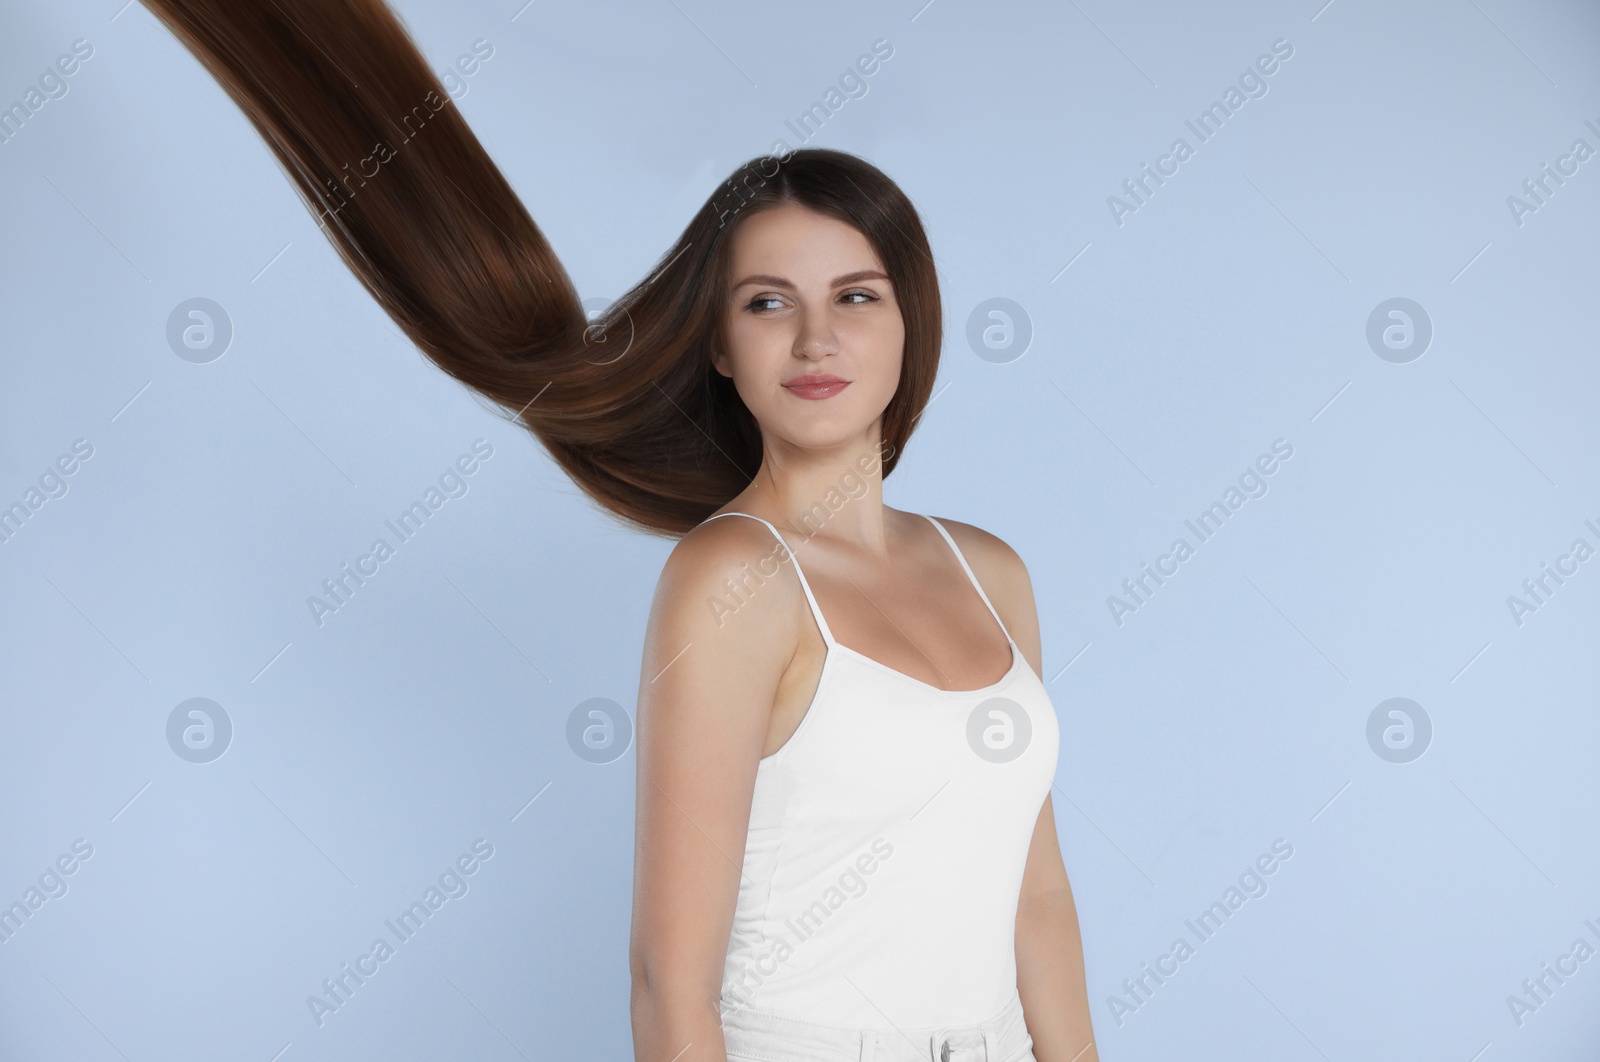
x=759 y=1036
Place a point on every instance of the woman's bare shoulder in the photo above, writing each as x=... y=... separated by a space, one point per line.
x=1003 y=575
x=719 y=547
x=728 y=566
x=985 y=551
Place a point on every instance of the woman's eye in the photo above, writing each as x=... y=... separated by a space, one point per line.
x=854 y=298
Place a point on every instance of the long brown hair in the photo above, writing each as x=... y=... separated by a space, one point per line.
x=629 y=406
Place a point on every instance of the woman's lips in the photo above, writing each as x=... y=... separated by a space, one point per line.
x=816 y=386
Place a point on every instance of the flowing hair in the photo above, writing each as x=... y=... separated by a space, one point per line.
x=629 y=406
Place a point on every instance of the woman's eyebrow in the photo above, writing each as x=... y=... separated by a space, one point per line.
x=771 y=281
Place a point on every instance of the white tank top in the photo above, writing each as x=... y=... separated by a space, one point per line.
x=887 y=843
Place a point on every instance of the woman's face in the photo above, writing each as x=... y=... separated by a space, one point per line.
x=812 y=333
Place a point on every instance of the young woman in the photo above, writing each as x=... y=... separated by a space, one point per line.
x=845 y=844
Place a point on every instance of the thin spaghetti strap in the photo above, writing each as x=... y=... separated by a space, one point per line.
x=974 y=579
x=816 y=612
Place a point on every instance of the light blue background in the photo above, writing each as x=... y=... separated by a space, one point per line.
x=1229 y=711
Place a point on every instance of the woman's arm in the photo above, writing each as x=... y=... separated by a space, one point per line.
x=1050 y=977
x=707 y=688
x=1050 y=973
